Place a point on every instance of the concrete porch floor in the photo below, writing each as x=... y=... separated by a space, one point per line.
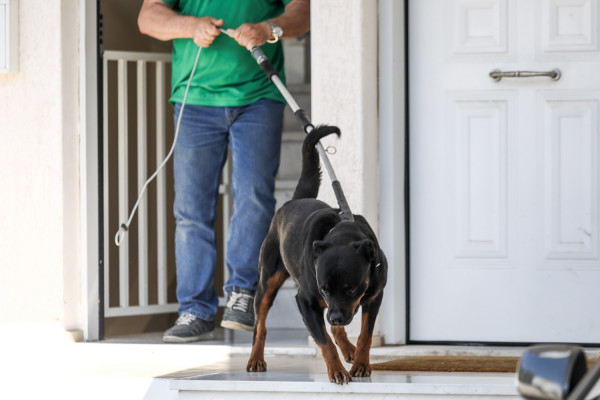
x=144 y=368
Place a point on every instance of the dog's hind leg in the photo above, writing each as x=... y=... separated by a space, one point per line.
x=362 y=365
x=263 y=301
x=272 y=276
x=341 y=339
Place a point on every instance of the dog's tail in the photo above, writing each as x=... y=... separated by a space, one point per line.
x=310 y=178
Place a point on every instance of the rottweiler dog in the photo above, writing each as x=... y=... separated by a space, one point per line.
x=336 y=263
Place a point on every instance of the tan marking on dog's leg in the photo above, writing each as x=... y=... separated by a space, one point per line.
x=341 y=339
x=362 y=365
x=256 y=362
x=335 y=370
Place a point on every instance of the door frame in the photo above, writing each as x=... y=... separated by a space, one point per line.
x=90 y=172
x=393 y=180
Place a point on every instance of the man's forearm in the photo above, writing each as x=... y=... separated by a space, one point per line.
x=295 y=20
x=158 y=20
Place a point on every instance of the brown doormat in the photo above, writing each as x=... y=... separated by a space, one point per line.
x=453 y=364
x=450 y=364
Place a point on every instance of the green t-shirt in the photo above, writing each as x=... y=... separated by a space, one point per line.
x=227 y=75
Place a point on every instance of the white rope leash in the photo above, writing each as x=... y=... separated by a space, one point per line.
x=125 y=226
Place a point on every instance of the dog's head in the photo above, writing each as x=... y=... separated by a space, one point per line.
x=342 y=274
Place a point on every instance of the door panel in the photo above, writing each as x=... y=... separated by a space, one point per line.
x=568 y=28
x=480 y=132
x=504 y=175
x=569 y=132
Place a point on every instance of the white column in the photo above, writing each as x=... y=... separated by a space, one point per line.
x=344 y=93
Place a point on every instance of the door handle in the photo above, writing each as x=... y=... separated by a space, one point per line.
x=497 y=74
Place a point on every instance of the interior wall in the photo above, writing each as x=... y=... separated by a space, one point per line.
x=121 y=30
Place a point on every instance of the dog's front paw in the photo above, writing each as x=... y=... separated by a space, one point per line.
x=339 y=376
x=256 y=366
x=349 y=357
x=348 y=353
x=361 y=370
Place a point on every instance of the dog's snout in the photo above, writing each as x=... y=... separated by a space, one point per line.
x=336 y=318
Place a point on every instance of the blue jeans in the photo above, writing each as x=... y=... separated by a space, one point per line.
x=253 y=133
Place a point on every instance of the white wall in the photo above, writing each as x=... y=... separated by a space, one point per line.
x=39 y=182
x=344 y=93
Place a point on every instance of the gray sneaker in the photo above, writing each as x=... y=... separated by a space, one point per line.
x=189 y=328
x=239 y=314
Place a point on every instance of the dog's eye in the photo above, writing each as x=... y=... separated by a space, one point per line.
x=324 y=292
x=352 y=292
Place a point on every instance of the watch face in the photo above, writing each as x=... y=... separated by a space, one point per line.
x=275 y=29
x=276 y=32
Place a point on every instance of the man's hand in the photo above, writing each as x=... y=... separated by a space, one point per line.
x=294 y=21
x=157 y=19
x=206 y=30
x=249 y=35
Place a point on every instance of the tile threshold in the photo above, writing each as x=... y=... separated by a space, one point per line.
x=378 y=384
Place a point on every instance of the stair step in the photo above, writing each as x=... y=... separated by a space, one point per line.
x=299 y=88
x=293 y=136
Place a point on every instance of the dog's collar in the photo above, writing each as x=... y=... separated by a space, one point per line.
x=338 y=223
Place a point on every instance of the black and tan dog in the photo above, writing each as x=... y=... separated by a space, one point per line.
x=337 y=264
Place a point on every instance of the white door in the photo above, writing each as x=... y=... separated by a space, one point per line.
x=504 y=175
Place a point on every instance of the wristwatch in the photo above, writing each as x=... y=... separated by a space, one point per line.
x=276 y=31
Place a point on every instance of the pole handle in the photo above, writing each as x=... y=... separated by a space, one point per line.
x=263 y=61
x=303 y=120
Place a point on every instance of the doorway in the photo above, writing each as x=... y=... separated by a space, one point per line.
x=139 y=276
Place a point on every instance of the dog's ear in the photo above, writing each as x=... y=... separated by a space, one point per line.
x=364 y=248
x=319 y=246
